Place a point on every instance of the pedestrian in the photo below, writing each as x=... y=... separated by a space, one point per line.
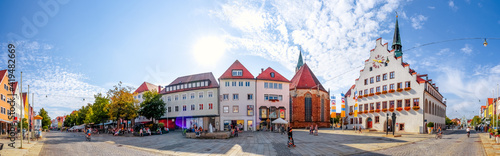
x=316 y=130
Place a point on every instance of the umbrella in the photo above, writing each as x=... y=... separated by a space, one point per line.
x=279 y=121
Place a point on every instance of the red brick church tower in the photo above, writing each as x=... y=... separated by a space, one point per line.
x=308 y=99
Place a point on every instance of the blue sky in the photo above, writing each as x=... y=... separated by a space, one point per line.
x=80 y=48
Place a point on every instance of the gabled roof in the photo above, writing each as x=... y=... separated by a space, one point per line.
x=14 y=87
x=192 y=78
x=2 y=74
x=305 y=79
x=146 y=86
x=228 y=74
x=266 y=75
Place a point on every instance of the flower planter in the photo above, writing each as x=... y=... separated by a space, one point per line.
x=361 y=96
x=391 y=109
x=371 y=94
x=399 y=109
x=366 y=111
x=384 y=92
x=377 y=110
x=384 y=110
x=416 y=108
x=429 y=129
x=407 y=108
x=378 y=93
x=371 y=111
x=360 y=112
x=408 y=88
x=391 y=91
x=400 y=90
x=350 y=113
x=366 y=95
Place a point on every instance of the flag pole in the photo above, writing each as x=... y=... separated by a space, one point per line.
x=22 y=104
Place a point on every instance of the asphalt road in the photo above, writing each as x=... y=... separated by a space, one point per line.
x=453 y=144
x=62 y=143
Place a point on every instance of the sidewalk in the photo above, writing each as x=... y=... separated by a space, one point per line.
x=491 y=148
x=31 y=149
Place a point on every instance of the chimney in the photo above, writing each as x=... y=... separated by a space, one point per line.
x=261 y=70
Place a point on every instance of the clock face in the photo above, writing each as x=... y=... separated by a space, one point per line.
x=378 y=61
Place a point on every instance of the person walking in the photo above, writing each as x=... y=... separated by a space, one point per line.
x=291 y=142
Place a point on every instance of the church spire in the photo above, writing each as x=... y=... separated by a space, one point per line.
x=396 y=41
x=300 y=62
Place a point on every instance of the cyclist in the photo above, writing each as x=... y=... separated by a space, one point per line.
x=88 y=131
x=439 y=132
x=468 y=131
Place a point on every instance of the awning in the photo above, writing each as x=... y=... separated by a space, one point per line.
x=2 y=120
x=279 y=121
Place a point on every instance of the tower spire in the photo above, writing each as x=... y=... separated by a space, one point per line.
x=396 y=41
x=300 y=62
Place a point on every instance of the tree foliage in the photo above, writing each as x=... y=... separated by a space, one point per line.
x=122 y=105
x=153 y=106
x=25 y=124
x=448 y=121
x=475 y=121
x=100 y=108
x=45 y=116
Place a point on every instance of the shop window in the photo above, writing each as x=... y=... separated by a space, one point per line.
x=360 y=120
x=351 y=120
x=377 y=119
x=401 y=126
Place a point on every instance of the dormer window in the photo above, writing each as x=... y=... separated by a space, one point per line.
x=237 y=72
x=272 y=74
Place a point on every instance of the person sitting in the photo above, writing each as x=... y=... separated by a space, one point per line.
x=140 y=132
x=117 y=132
x=149 y=131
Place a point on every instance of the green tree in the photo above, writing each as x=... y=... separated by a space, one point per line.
x=476 y=120
x=45 y=116
x=100 y=108
x=89 y=116
x=448 y=121
x=123 y=105
x=153 y=107
x=25 y=124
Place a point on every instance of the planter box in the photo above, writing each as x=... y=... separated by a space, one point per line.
x=371 y=94
x=416 y=108
x=384 y=92
x=350 y=113
x=371 y=111
x=391 y=91
x=407 y=108
x=399 y=109
x=378 y=93
x=391 y=109
x=366 y=111
x=377 y=110
x=429 y=129
x=400 y=90
x=384 y=110
x=361 y=96
x=366 y=95
x=407 y=89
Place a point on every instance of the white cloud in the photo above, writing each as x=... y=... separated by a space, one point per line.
x=57 y=89
x=495 y=70
x=443 y=51
x=452 y=5
x=467 y=49
x=431 y=7
x=335 y=34
x=418 y=21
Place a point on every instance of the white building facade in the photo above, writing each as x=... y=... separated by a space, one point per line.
x=191 y=101
x=237 y=98
x=388 y=85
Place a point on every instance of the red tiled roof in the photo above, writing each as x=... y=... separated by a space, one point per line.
x=266 y=75
x=228 y=74
x=14 y=87
x=490 y=101
x=193 y=78
x=305 y=79
x=146 y=86
x=2 y=74
x=420 y=80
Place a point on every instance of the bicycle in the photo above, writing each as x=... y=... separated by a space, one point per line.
x=439 y=136
x=88 y=137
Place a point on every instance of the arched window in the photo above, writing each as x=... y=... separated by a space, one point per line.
x=308 y=108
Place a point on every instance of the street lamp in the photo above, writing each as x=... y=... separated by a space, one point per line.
x=387 y=124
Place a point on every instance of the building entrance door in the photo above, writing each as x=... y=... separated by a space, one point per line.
x=369 y=123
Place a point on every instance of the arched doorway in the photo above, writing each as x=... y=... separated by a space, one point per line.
x=369 y=123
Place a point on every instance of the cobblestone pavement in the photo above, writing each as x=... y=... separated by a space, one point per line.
x=452 y=144
x=328 y=142
x=62 y=143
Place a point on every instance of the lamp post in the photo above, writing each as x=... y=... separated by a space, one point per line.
x=393 y=122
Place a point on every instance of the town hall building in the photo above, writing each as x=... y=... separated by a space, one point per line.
x=388 y=85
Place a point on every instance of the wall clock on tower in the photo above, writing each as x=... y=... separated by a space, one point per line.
x=378 y=61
